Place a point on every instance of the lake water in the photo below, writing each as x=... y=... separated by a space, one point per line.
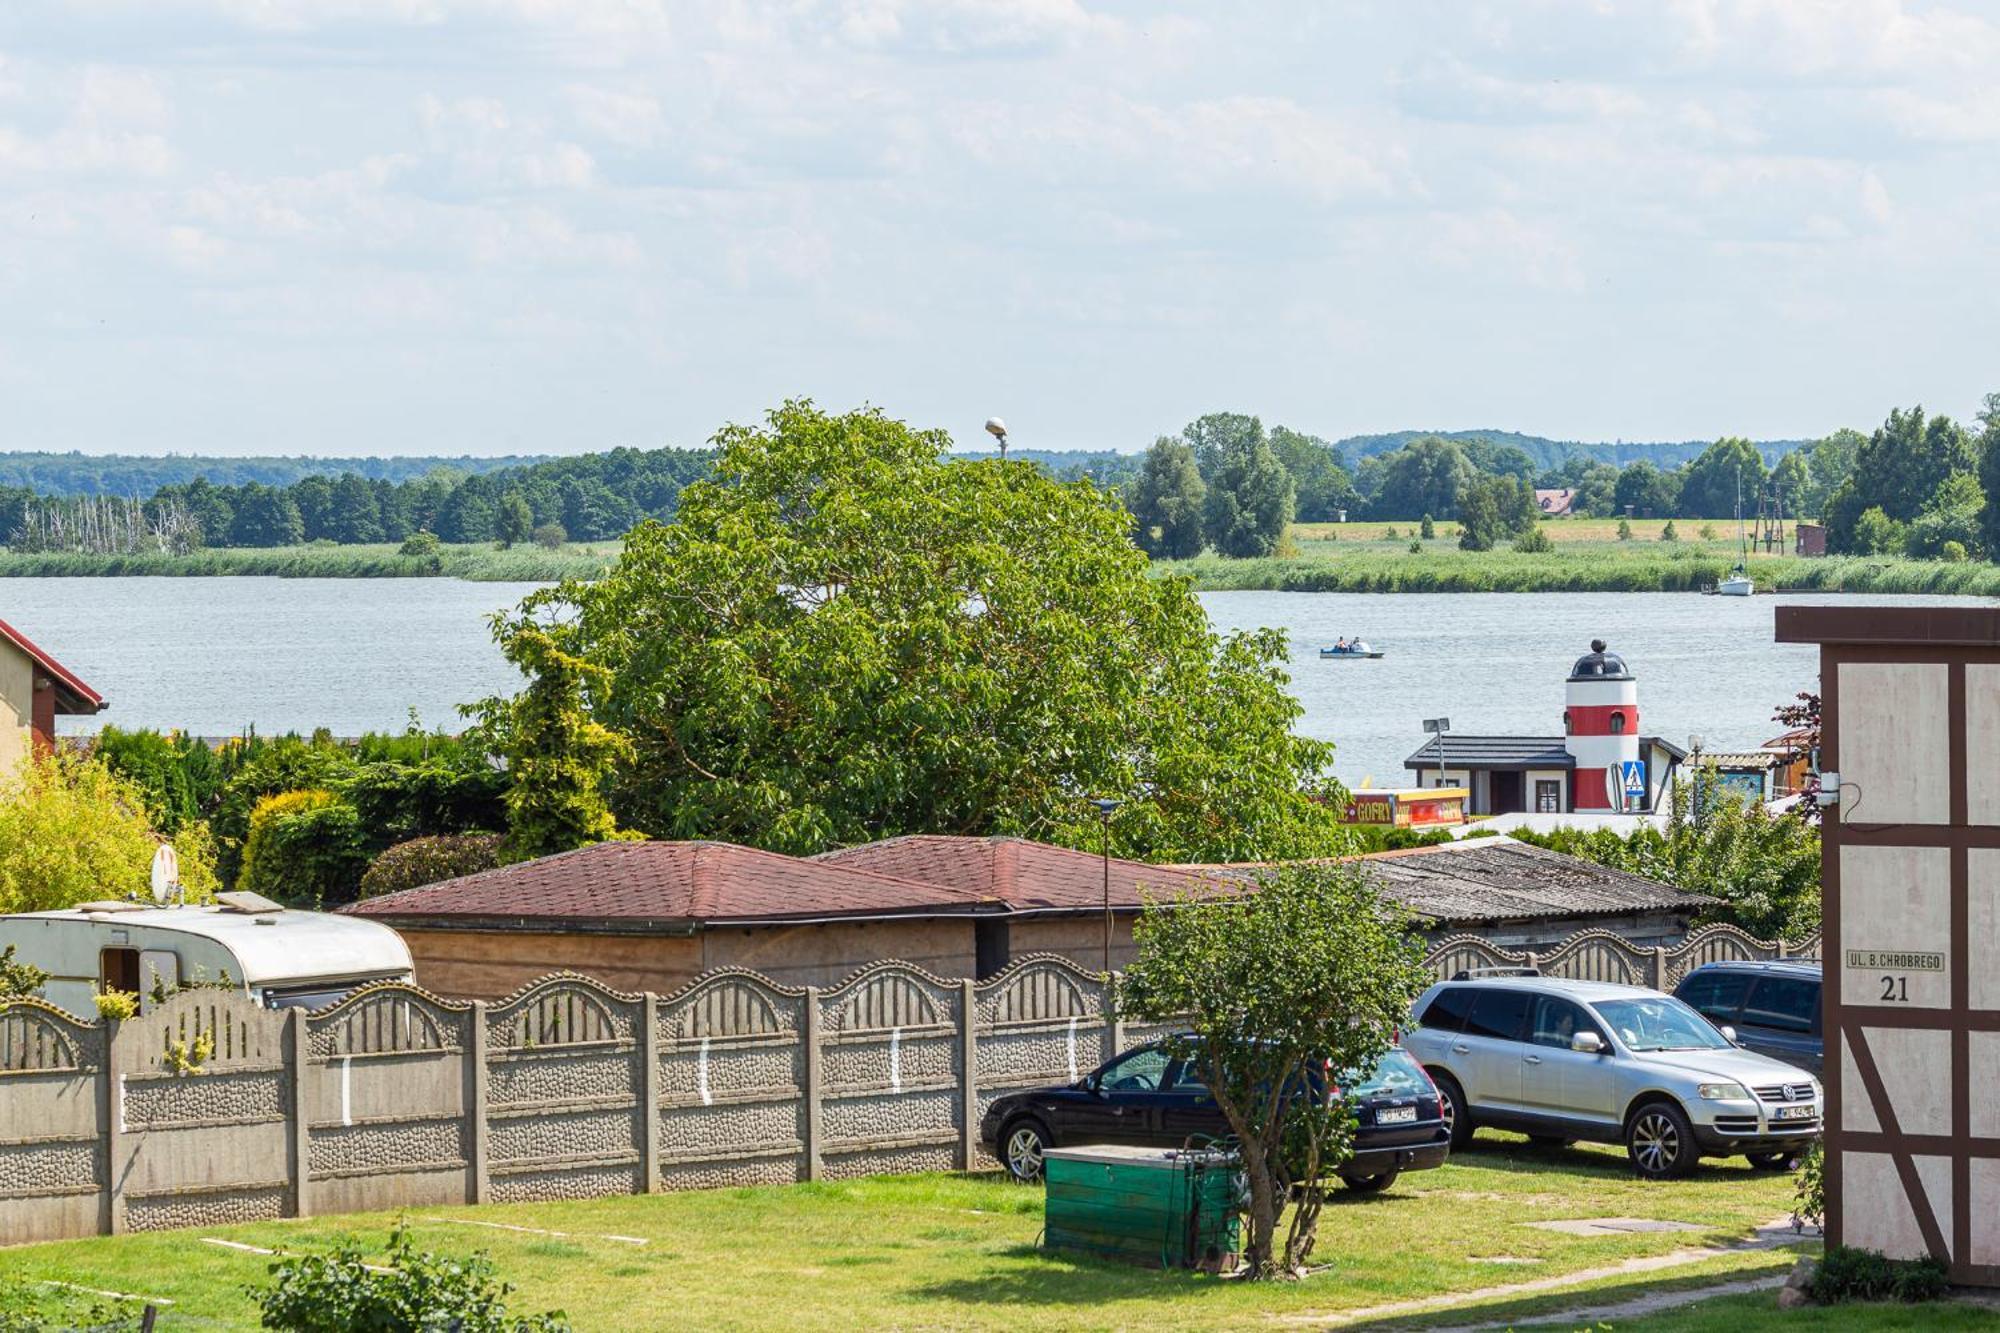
x=216 y=655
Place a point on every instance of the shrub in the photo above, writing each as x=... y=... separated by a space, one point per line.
x=1849 y=1274
x=304 y=847
x=1624 y=530
x=1809 y=1199
x=317 y=1293
x=18 y=978
x=71 y=830
x=35 y=1307
x=1668 y=534
x=1953 y=553
x=1875 y=533
x=421 y=861
x=1416 y=548
x=422 y=544
x=1428 y=530
x=117 y=1005
x=1389 y=534
x=180 y=775
x=551 y=537
x=1707 y=532
x=1534 y=542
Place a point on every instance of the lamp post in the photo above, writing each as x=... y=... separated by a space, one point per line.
x=998 y=430
x=1105 y=805
x=1438 y=726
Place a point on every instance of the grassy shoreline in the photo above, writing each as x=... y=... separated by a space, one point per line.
x=1348 y=557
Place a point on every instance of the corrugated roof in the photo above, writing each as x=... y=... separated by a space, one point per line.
x=1741 y=758
x=1498 y=879
x=670 y=883
x=1026 y=875
x=72 y=695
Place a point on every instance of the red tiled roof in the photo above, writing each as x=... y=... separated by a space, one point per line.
x=1027 y=876
x=670 y=882
x=72 y=695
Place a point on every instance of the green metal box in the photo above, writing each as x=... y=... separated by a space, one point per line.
x=1154 y=1206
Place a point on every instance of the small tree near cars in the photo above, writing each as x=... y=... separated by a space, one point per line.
x=1308 y=974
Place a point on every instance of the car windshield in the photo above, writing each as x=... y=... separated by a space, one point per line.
x=1659 y=1023
x=1395 y=1075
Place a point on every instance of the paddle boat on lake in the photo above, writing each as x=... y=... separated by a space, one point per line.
x=1349 y=648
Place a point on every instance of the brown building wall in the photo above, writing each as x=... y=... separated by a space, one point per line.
x=485 y=965
x=824 y=955
x=1077 y=938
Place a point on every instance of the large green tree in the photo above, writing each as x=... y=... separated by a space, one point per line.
x=1425 y=476
x=1711 y=483
x=1323 y=486
x=1828 y=461
x=1249 y=502
x=1166 y=501
x=1492 y=509
x=845 y=634
x=1646 y=491
x=1899 y=472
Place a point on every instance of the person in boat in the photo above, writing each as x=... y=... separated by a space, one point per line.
x=1340 y=646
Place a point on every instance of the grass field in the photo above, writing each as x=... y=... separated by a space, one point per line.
x=1588 y=557
x=478 y=561
x=961 y=1252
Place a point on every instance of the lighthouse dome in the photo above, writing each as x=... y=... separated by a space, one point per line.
x=1599 y=664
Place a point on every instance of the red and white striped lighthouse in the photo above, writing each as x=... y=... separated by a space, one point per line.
x=1601 y=730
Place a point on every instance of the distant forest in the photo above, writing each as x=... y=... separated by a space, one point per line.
x=1246 y=483
x=139 y=476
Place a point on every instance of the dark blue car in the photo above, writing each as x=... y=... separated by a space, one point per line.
x=1150 y=1097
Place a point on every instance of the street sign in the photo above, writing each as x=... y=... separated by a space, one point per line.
x=1633 y=778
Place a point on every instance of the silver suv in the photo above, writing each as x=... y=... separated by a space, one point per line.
x=1566 y=1060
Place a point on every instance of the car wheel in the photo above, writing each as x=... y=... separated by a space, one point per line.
x=1770 y=1161
x=1374 y=1184
x=1451 y=1105
x=1660 y=1142
x=1021 y=1147
x=1550 y=1140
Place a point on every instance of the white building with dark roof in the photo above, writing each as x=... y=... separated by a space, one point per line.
x=1601 y=762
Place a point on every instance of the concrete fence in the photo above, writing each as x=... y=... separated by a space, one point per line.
x=394 y=1098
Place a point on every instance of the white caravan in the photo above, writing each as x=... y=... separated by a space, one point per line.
x=278 y=957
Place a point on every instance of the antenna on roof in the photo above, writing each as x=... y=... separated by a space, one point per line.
x=166 y=874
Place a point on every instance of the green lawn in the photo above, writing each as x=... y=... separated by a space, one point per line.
x=960 y=1252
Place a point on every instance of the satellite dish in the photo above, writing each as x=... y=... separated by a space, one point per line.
x=166 y=872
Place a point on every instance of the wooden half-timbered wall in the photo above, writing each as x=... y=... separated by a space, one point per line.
x=1910 y=704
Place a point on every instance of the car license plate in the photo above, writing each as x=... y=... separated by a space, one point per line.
x=1396 y=1115
x=1793 y=1112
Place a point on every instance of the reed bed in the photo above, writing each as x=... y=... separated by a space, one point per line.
x=480 y=562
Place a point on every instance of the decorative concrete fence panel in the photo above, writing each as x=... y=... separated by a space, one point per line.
x=563 y=1096
x=387 y=1102
x=891 y=1039
x=212 y=1110
x=732 y=1062
x=1599 y=955
x=53 y=1133
x=1042 y=1021
x=202 y=1100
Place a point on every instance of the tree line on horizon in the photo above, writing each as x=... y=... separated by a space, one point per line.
x=1225 y=483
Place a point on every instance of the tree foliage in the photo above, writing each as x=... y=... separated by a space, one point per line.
x=73 y=831
x=1903 y=465
x=410 y=1291
x=846 y=635
x=1709 y=485
x=1492 y=509
x=1249 y=502
x=1425 y=476
x=1324 y=489
x=420 y=861
x=1166 y=502
x=1309 y=972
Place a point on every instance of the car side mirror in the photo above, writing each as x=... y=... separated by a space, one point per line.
x=1729 y=1035
x=1587 y=1043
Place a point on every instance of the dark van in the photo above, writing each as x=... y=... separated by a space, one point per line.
x=1774 y=1007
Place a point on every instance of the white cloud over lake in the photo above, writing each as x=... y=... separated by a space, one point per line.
x=352 y=226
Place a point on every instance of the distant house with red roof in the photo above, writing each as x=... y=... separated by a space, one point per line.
x=34 y=690
x=1554 y=503
x=655 y=915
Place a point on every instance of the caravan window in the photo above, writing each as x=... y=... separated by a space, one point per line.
x=118 y=969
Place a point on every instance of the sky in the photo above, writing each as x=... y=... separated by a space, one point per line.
x=551 y=226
